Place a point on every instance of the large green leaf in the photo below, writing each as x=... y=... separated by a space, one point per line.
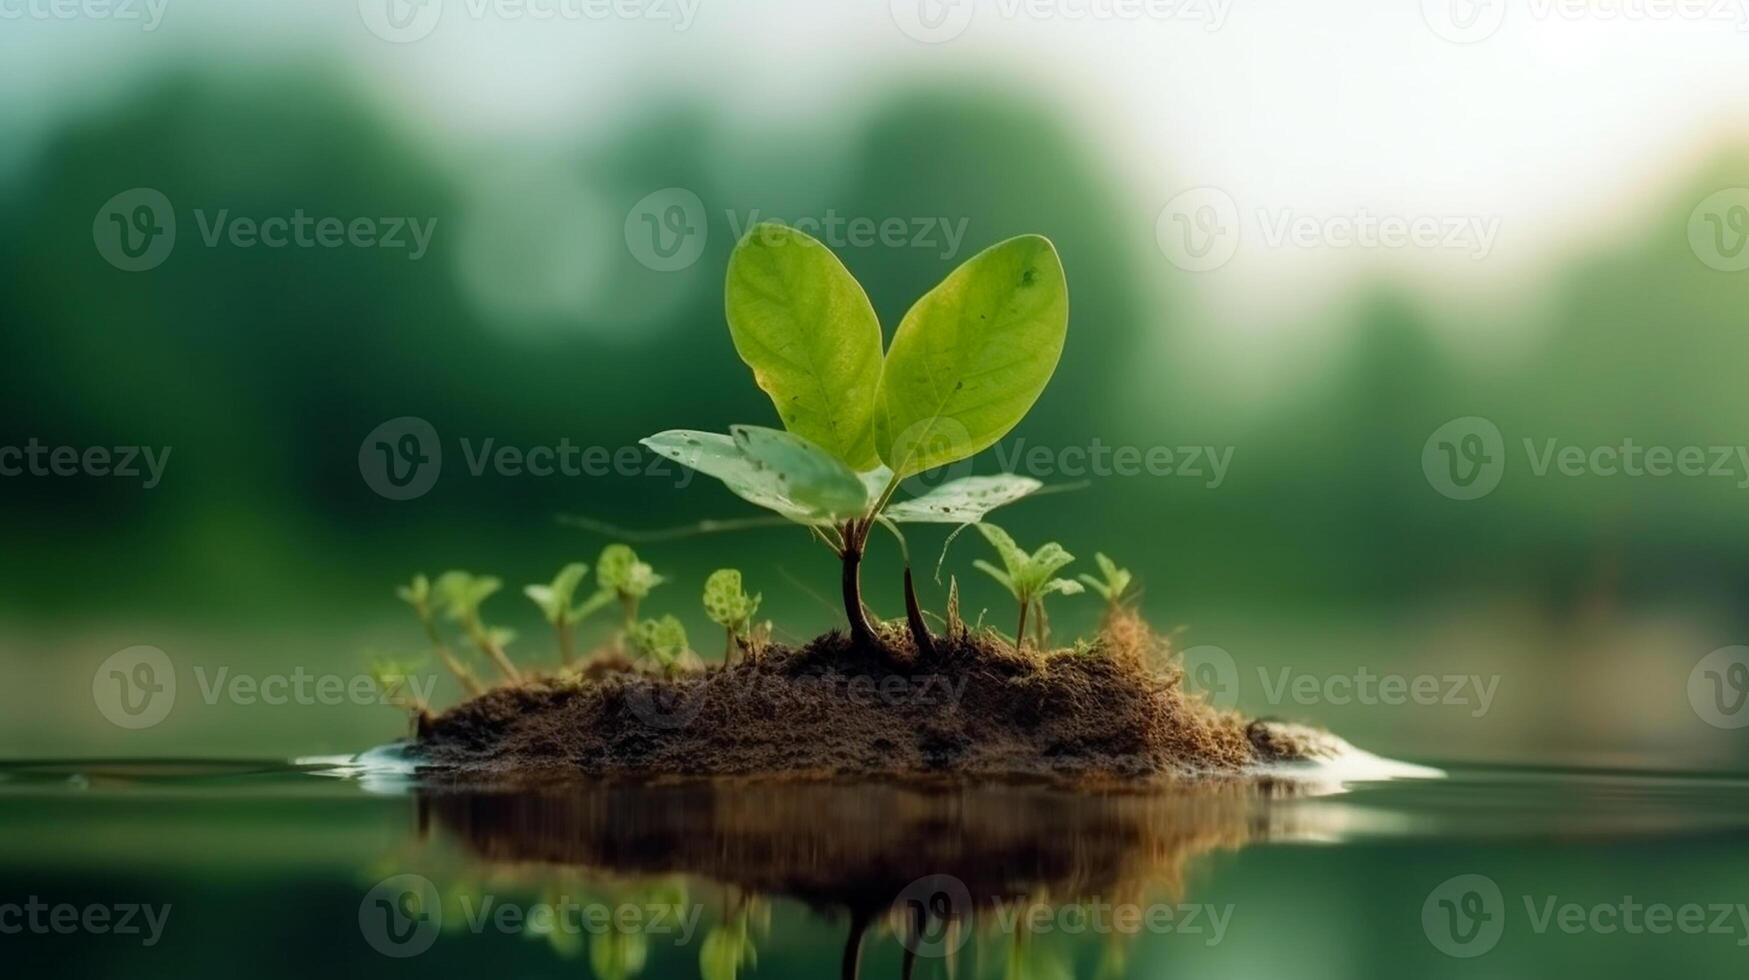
x=972 y=356
x=774 y=469
x=963 y=501
x=803 y=472
x=805 y=327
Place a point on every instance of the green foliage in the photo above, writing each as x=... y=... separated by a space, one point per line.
x=967 y=362
x=727 y=604
x=1028 y=577
x=554 y=599
x=616 y=955
x=618 y=570
x=391 y=676
x=805 y=327
x=1115 y=584
x=462 y=594
x=661 y=640
x=972 y=355
x=417 y=594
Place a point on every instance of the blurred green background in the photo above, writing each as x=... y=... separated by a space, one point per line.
x=536 y=316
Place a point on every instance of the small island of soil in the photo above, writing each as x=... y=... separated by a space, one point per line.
x=1114 y=710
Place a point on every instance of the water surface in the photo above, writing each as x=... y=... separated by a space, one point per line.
x=350 y=867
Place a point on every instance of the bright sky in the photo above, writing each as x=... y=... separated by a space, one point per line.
x=1559 y=120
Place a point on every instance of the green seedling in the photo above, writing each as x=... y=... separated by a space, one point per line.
x=621 y=575
x=731 y=608
x=662 y=641
x=966 y=364
x=554 y=600
x=462 y=594
x=418 y=594
x=727 y=948
x=393 y=677
x=1029 y=578
x=1113 y=587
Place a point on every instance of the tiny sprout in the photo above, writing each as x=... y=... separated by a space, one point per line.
x=730 y=607
x=661 y=640
x=554 y=601
x=463 y=593
x=418 y=595
x=1028 y=578
x=393 y=676
x=619 y=572
x=1114 y=587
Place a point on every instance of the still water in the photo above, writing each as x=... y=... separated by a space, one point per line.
x=361 y=867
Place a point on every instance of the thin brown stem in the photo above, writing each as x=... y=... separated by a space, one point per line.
x=855 y=537
x=1020 y=631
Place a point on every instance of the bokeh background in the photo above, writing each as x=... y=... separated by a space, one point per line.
x=584 y=178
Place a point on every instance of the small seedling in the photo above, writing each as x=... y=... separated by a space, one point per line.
x=418 y=594
x=554 y=600
x=391 y=677
x=620 y=574
x=730 y=607
x=1028 y=578
x=965 y=365
x=462 y=594
x=1114 y=587
x=662 y=641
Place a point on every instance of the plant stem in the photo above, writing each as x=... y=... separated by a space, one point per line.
x=729 y=648
x=1043 y=629
x=914 y=619
x=567 y=643
x=493 y=651
x=462 y=674
x=855 y=537
x=1020 y=631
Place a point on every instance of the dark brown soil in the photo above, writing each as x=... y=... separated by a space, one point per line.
x=1115 y=711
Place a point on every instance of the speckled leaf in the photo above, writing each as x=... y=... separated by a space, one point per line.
x=803 y=472
x=963 y=501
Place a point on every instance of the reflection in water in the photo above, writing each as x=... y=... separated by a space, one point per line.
x=934 y=867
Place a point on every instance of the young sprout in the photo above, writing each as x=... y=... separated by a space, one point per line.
x=620 y=574
x=418 y=595
x=1114 y=587
x=393 y=676
x=965 y=365
x=554 y=600
x=730 y=607
x=462 y=594
x=662 y=641
x=1028 y=578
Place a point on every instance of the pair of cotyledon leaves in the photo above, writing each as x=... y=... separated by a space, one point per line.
x=966 y=364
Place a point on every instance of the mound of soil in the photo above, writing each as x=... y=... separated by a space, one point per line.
x=1114 y=711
